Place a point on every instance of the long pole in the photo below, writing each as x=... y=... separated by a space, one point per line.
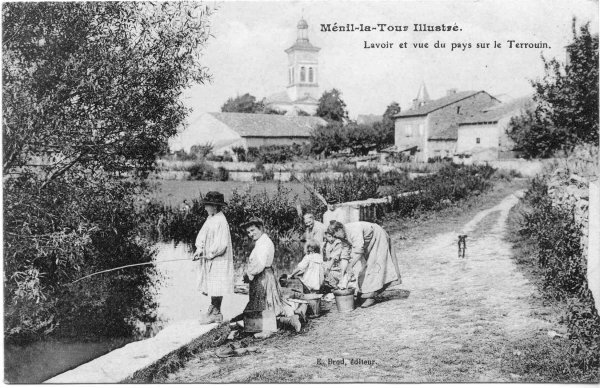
x=127 y=266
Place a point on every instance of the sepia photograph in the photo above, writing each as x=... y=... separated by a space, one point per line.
x=301 y=191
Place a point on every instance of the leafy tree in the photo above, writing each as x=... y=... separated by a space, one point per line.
x=535 y=136
x=391 y=110
x=328 y=139
x=91 y=93
x=332 y=107
x=243 y=104
x=567 y=102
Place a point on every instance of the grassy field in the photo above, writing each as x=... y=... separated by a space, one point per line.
x=173 y=192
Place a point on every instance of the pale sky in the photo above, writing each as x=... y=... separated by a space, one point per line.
x=247 y=54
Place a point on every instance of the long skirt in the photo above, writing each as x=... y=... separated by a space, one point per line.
x=381 y=267
x=264 y=293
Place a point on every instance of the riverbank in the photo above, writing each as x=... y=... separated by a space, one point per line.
x=464 y=320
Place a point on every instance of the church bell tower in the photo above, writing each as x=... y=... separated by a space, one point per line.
x=303 y=66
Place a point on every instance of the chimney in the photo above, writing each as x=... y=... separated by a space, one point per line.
x=450 y=92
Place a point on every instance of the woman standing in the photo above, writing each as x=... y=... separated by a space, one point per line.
x=371 y=258
x=215 y=255
x=264 y=293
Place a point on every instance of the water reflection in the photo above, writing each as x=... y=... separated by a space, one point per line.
x=178 y=299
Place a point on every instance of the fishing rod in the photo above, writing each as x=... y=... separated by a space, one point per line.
x=127 y=266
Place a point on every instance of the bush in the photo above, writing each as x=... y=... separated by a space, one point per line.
x=449 y=185
x=60 y=233
x=202 y=171
x=358 y=138
x=556 y=239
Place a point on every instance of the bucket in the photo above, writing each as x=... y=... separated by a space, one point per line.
x=344 y=300
x=314 y=304
x=257 y=321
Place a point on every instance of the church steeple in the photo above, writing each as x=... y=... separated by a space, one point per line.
x=303 y=66
x=422 y=97
x=302 y=32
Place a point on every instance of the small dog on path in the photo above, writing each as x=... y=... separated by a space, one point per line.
x=462 y=245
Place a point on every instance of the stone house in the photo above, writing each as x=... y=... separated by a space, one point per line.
x=482 y=136
x=430 y=128
x=227 y=130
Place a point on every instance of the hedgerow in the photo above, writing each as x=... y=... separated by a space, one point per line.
x=555 y=236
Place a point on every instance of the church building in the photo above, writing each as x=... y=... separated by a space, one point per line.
x=302 y=92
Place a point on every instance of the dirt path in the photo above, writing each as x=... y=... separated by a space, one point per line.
x=460 y=322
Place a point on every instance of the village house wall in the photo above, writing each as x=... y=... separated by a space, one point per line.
x=440 y=127
x=441 y=148
x=409 y=131
x=477 y=136
x=494 y=142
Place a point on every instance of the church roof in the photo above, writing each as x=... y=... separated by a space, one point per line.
x=304 y=45
x=264 y=125
x=302 y=24
x=422 y=95
x=283 y=98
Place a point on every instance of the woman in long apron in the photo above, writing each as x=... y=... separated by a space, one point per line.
x=214 y=254
x=371 y=257
x=264 y=293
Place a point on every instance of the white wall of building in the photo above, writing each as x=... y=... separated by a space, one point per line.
x=206 y=129
x=477 y=137
x=409 y=131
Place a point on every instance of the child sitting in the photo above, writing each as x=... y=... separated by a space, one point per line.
x=311 y=267
x=294 y=312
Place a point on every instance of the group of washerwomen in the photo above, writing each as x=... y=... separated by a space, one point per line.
x=355 y=255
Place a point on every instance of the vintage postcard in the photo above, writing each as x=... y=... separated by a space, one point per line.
x=301 y=192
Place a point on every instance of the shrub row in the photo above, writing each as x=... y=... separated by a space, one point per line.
x=556 y=237
x=202 y=171
x=272 y=153
x=283 y=225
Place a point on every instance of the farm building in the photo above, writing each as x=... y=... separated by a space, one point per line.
x=482 y=136
x=430 y=128
x=227 y=130
x=302 y=92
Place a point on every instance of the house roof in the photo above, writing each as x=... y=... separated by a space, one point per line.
x=497 y=112
x=264 y=125
x=440 y=103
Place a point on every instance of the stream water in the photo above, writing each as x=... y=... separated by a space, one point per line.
x=178 y=299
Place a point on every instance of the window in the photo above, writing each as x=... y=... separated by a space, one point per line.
x=478 y=140
x=290 y=75
x=458 y=110
x=408 y=130
x=310 y=74
x=302 y=74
